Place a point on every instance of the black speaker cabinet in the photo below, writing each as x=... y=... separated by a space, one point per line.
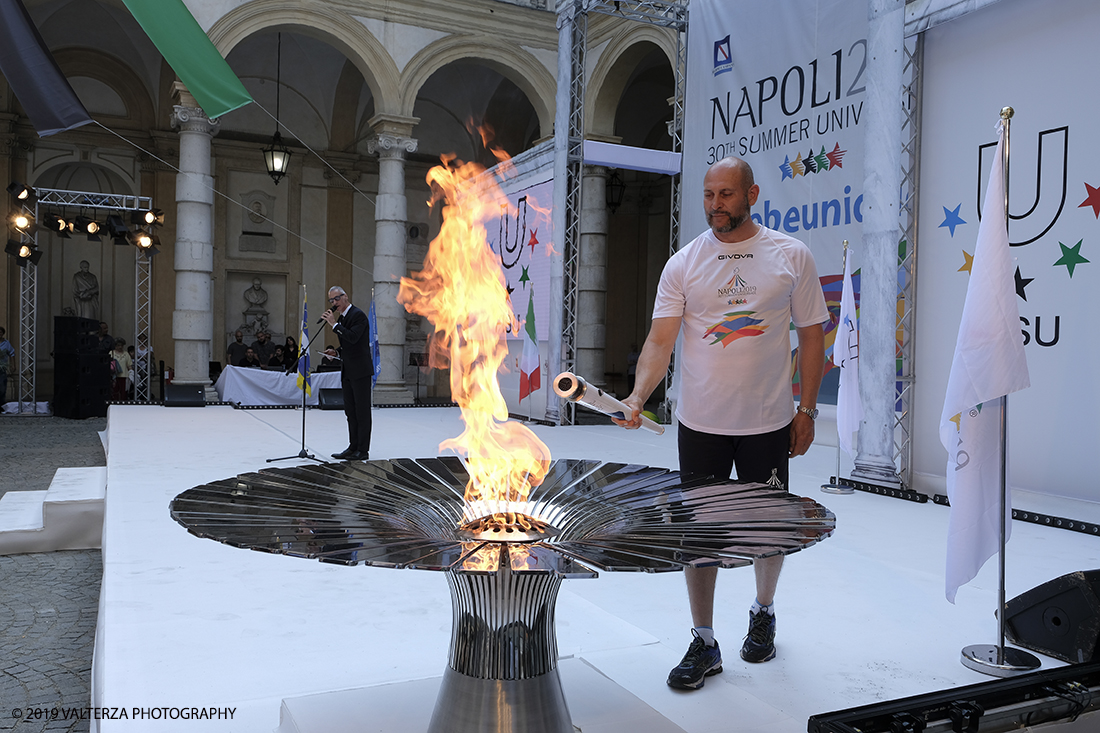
x=1060 y=618
x=184 y=395
x=331 y=399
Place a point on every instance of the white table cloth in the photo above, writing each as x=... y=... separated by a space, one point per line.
x=249 y=386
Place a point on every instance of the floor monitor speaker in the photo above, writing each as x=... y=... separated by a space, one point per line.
x=331 y=399
x=1060 y=618
x=184 y=395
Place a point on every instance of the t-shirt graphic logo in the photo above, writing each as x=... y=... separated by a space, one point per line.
x=738 y=324
x=736 y=285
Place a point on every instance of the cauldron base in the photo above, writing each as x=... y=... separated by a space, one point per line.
x=472 y=705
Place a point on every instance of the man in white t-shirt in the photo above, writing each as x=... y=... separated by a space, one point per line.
x=734 y=291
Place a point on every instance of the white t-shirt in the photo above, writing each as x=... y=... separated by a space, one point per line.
x=737 y=302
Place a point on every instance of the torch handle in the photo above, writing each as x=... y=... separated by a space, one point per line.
x=573 y=388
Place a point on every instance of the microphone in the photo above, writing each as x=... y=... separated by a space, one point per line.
x=322 y=320
x=574 y=389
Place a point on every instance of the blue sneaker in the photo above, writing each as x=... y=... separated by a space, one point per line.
x=759 y=643
x=700 y=662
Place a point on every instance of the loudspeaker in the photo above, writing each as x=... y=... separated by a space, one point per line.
x=77 y=403
x=331 y=399
x=1060 y=618
x=184 y=395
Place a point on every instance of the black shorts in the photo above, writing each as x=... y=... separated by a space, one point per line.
x=755 y=456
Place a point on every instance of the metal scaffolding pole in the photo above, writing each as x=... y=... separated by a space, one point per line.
x=28 y=297
x=573 y=22
x=143 y=325
x=907 y=259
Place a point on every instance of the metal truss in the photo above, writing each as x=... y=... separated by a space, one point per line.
x=907 y=259
x=143 y=325
x=669 y=14
x=52 y=199
x=28 y=296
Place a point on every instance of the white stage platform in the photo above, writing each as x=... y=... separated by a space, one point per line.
x=188 y=623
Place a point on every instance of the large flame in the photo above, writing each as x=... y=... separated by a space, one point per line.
x=462 y=291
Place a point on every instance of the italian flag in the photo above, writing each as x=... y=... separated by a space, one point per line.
x=530 y=364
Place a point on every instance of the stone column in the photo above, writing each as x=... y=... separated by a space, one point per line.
x=193 y=317
x=592 y=277
x=874 y=460
x=392 y=142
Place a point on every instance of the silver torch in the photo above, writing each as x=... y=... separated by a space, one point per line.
x=573 y=388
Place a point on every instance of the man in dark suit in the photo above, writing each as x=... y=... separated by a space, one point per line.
x=350 y=326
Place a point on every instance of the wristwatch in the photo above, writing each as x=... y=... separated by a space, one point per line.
x=808 y=411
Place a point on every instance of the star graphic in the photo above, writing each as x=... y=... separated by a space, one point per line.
x=1071 y=256
x=533 y=240
x=957 y=419
x=797 y=167
x=822 y=160
x=1021 y=283
x=952 y=218
x=809 y=162
x=1093 y=200
x=525 y=278
x=510 y=291
x=836 y=158
x=968 y=263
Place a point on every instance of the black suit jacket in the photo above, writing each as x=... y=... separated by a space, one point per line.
x=353 y=332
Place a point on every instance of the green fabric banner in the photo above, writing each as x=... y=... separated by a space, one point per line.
x=188 y=50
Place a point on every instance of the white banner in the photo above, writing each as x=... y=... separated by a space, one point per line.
x=521 y=238
x=786 y=93
x=1018 y=53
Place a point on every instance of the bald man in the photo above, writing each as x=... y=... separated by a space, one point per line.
x=733 y=292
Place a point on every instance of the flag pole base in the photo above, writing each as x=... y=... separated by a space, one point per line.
x=999 y=661
x=837 y=488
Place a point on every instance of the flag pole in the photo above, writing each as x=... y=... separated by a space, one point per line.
x=1001 y=660
x=836 y=487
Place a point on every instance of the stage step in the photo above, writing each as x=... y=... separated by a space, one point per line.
x=67 y=516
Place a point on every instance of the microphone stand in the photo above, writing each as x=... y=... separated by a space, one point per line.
x=303 y=453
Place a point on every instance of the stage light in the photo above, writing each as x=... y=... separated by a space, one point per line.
x=87 y=226
x=145 y=241
x=116 y=227
x=149 y=218
x=57 y=224
x=23 y=252
x=24 y=222
x=22 y=192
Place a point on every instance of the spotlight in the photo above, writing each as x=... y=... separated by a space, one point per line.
x=87 y=226
x=150 y=218
x=145 y=241
x=116 y=228
x=23 y=253
x=22 y=192
x=57 y=224
x=24 y=222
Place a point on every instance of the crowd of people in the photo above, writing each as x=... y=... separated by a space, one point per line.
x=263 y=353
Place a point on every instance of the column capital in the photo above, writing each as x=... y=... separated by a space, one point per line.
x=193 y=119
x=387 y=145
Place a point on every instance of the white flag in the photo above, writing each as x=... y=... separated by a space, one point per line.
x=849 y=409
x=989 y=363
